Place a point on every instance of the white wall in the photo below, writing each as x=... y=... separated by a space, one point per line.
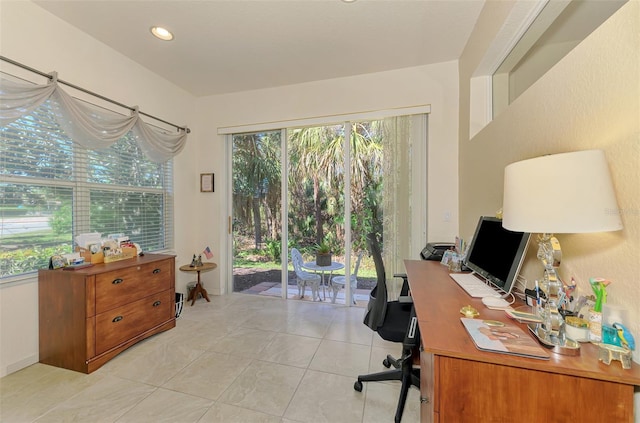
x=35 y=38
x=589 y=100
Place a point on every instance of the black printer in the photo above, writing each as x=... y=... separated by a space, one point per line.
x=435 y=250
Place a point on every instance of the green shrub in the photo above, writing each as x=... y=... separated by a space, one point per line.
x=273 y=249
x=62 y=220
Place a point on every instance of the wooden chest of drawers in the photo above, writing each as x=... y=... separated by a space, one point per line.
x=88 y=316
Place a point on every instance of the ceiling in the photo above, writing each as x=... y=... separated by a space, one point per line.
x=224 y=46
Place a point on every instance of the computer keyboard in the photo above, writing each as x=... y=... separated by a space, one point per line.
x=473 y=285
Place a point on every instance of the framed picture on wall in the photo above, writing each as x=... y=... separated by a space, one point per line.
x=206 y=182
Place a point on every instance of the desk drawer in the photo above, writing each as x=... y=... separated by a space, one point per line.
x=123 y=323
x=122 y=286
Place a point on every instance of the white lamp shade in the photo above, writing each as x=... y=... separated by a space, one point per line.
x=560 y=193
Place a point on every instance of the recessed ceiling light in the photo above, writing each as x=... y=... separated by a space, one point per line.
x=162 y=33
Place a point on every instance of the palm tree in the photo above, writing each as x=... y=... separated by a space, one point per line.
x=317 y=154
x=256 y=181
x=366 y=178
x=308 y=155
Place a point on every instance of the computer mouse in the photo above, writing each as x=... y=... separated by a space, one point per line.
x=493 y=302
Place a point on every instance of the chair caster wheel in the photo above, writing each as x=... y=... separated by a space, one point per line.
x=386 y=363
x=358 y=386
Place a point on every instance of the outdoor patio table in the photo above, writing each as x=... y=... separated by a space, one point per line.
x=311 y=265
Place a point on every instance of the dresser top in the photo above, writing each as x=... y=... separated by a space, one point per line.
x=115 y=265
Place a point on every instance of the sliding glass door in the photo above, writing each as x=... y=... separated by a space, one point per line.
x=341 y=182
x=256 y=213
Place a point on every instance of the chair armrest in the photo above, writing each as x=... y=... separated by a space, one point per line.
x=405 y=283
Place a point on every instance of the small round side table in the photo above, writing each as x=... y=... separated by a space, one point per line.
x=199 y=289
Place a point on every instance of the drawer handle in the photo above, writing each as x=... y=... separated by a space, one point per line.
x=156 y=271
x=117 y=281
x=157 y=303
x=117 y=319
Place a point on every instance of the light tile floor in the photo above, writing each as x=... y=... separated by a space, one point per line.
x=240 y=358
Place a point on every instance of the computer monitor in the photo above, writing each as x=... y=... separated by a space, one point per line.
x=496 y=254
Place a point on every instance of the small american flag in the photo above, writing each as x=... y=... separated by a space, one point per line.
x=207 y=253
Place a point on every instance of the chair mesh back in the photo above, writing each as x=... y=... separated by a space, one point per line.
x=377 y=307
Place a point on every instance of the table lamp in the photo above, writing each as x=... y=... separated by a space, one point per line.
x=559 y=193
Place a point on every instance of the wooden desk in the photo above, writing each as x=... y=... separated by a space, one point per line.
x=460 y=383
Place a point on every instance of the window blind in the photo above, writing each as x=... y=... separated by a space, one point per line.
x=51 y=190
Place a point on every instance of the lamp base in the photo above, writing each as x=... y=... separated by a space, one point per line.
x=550 y=254
x=566 y=347
x=549 y=251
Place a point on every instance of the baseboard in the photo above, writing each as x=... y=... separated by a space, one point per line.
x=19 y=365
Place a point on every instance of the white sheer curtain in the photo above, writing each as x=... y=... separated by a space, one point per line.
x=90 y=127
x=397 y=198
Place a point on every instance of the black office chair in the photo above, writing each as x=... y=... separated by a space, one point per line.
x=394 y=321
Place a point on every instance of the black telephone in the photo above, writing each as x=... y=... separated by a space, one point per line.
x=435 y=250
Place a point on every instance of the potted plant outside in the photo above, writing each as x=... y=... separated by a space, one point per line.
x=323 y=254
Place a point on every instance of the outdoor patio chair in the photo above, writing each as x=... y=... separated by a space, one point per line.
x=338 y=282
x=303 y=278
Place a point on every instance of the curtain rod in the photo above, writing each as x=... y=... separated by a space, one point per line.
x=46 y=75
